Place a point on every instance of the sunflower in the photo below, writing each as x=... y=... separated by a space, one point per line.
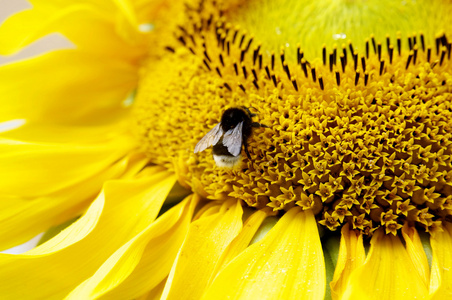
x=345 y=191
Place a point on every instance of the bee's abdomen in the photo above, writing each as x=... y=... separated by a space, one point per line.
x=220 y=149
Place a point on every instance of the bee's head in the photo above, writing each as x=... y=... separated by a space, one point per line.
x=233 y=116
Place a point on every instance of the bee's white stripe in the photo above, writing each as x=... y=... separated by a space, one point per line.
x=226 y=161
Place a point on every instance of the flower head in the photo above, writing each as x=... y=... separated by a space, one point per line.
x=356 y=103
x=363 y=132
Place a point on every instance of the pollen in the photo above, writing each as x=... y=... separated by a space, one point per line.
x=358 y=135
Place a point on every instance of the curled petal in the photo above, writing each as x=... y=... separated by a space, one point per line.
x=351 y=256
x=243 y=239
x=143 y=262
x=206 y=241
x=416 y=251
x=76 y=161
x=122 y=210
x=441 y=276
x=388 y=273
x=286 y=264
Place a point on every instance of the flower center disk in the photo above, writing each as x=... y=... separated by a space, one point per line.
x=357 y=136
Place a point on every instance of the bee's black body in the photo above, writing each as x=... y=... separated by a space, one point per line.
x=230 y=119
x=228 y=136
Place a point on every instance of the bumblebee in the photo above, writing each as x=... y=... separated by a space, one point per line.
x=228 y=136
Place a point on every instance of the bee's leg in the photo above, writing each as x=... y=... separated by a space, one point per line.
x=248 y=111
x=257 y=125
x=246 y=151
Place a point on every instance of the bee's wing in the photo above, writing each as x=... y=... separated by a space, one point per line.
x=232 y=139
x=211 y=138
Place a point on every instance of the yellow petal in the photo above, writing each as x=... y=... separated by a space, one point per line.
x=100 y=21
x=52 y=270
x=62 y=4
x=155 y=293
x=89 y=88
x=416 y=252
x=388 y=273
x=207 y=238
x=29 y=169
x=25 y=27
x=351 y=256
x=242 y=240
x=128 y=24
x=50 y=133
x=165 y=15
x=441 y=276
x=286 y=264
x=143 y=262
x=21 y=219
